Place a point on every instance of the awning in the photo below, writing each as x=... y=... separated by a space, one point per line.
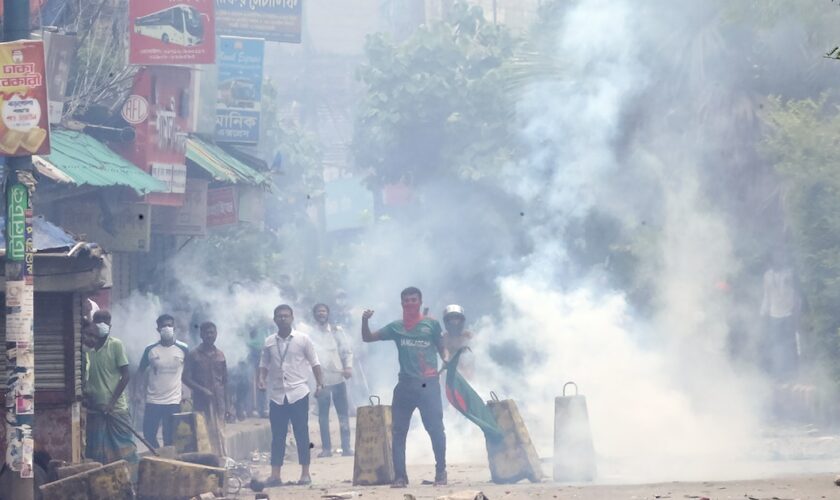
x=221 y=165
x=77 y=158
x=45 y=236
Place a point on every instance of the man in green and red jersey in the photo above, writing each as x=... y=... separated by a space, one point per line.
x=419 y=342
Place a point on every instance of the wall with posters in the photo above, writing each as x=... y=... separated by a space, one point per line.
x=167 y=32
x=274 y=20
x=239 y=89
x=24 y=114
x=159 y=105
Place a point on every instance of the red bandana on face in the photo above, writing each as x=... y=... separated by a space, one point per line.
x=411 y=315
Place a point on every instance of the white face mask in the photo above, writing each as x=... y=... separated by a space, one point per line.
x=167 y=333
x=104 y=329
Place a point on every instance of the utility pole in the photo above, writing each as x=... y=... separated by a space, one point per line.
x=19 y=295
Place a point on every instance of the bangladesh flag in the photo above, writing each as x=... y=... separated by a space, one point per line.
x=464 y=398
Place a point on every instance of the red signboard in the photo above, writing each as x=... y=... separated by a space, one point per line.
x=171 y=32
x=221 y=207
x=24 y=110
x=160 y=142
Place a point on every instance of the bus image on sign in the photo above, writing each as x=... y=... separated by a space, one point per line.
x=179 y=25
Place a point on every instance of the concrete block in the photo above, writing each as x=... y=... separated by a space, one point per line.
x=164 y=479
x=110 y=482
x=73 y=469
x=191 y=433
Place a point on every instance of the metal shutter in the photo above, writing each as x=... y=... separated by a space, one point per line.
x=56 y=343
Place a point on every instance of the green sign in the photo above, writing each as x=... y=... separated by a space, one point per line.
x=18 y=200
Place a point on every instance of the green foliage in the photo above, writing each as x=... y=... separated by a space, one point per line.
x=436 y=104
x=801 y=140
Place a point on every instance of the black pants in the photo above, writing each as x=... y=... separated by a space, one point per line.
x=423 y=394
x=152 y=418
x=338 y=394
x=280 y=416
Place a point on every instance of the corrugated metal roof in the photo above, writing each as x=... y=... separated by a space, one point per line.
x=78 y=158
x=221 y=165
x=45 y=235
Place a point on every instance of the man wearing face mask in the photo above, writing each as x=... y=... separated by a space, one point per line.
x=286 y=358
x=106 y=377
x=419 y=342
x=162 y=365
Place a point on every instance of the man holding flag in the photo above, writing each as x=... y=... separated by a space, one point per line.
x=418 y=340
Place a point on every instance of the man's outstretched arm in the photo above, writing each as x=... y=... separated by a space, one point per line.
x=367 y=335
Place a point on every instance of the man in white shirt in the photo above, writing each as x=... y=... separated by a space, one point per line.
x=285 y=361
x=336 y=359
x=163 y=365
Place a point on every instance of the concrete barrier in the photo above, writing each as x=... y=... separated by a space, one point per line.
x=109 y=482
x=164 y=479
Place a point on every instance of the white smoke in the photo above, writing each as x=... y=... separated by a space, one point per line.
x=661 y=390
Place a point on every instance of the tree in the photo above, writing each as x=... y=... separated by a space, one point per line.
x=436 y=105
x=801 y=141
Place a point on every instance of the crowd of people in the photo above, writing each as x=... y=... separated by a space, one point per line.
x=284 y=364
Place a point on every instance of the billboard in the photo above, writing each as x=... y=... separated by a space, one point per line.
x=24 y=110
x=171 y=32
x=273 y=20
x=159 y=108
x=239 y=89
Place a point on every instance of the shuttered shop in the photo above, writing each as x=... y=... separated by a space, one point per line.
x=57 y=348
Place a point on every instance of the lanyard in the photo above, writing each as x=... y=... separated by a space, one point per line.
x=285 y=351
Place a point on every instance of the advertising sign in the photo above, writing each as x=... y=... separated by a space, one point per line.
x=18 y=203
x=274 y=20
x=135 y=110
x=171 y=32
x=221 y=207
x=239 y=89
x=190 y=219
x=24 y=116
x=159 y=108
x=174 y=175
x=122 y=227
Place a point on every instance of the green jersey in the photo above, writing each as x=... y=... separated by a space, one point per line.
x=417 y=348
x=103 y=373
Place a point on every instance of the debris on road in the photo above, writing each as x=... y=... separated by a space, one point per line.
x=465 y=495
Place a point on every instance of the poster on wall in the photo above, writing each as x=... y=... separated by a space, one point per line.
x=221 y=207
x=239 y=90
x=273 y=20
x=24 y=110
x=168 y=32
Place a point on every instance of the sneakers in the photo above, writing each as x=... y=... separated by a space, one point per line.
x=325 y=454
x=400 y=482
x=440 y=478
x=347 y=452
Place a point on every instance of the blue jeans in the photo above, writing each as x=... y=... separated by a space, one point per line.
x=338 y=394
x=152 y=419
